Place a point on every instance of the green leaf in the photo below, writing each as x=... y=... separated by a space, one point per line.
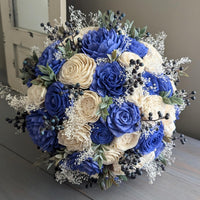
x=100 y=163
x=103 y=105
x=35 y=57
x=182 y=73
x=109 y=56
x=162 y=93
x=45 y=78
x=36 y=82
x=176 y=100
x=136 y=34
x=102 y=185
x=123 y=177
x=43 y=69
x=167 y=100
x=143 y=30
x=105 y=148
x=103 y=156
x=112 y=16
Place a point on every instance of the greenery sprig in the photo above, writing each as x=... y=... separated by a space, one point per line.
x=47 y=78
x=107 y=178
x=67 y=51
x=103 y=107
x=99 y=156
x=51 y=160
x=113 y=56
x=171 y=100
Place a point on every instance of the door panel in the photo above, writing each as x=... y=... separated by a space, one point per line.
x=20 y=36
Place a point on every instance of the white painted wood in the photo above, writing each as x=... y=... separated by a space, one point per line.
x=22 y=39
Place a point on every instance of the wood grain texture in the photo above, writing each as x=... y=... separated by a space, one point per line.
x=20 y=180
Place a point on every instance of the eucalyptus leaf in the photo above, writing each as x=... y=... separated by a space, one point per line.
x=167 y=100
x=45 y=78
x=43 y=69
x=176 y=100
x=182 y=73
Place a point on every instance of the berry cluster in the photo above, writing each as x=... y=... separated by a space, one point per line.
x=19 y=121
x=74 y=90
x=53 y=124
x=128 y=162
x=135 y=79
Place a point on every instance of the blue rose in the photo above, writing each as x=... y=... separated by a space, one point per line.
x=97 y=44
x=156 y=84
x=109 y=79
x=57 y=100
x=123 y=119
x=152 y=142
x=48 y=56
x=100 y=133
x=159 y=149
x=46 y=140
x=88 y=166
x=137 y=48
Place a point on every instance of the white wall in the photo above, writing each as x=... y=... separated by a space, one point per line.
x=180 y=19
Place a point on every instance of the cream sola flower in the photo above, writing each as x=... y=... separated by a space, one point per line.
x=36 y=95
x=78 y=69
x=152 y=60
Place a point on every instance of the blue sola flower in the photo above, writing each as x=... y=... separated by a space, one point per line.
x=152 y=142
x=109 y=79
x=123 y=119
x=100 y=133
x=88 y=165
x=57 y=100
x=97 y=44
x=156 y=84
x=48 y=57
x=47 y=139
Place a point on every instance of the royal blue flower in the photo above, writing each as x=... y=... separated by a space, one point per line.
x=156 y=84
x=88 y=165
x=48 y=56
x=152 y=142
x=100 y=133
x=137 y=48
x=97 y=44
x=109 y=79
x=123 y=119
x=47 y=139
x=159 y=149
x=57 y=100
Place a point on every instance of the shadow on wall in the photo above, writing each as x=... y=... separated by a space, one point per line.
x=180 y=20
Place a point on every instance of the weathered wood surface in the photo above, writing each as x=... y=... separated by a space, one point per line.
x=20 y=180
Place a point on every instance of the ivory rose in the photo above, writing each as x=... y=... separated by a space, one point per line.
x=152 y=60
x=88 y=105
x=78 y=69
x=146 y=159
x=112 y=155
x=78 y=141
x=126 y=141
x=36 y=94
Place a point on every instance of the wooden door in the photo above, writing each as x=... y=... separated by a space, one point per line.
x=20 y=22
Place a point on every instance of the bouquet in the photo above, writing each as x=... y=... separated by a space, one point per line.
x=102 y=101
